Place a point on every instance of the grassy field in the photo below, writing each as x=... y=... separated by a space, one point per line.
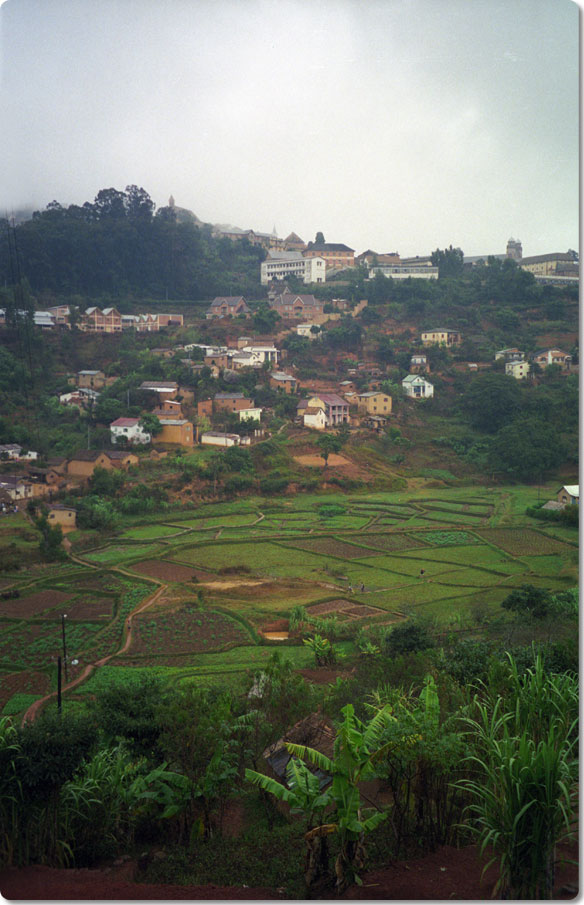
x=444 y=554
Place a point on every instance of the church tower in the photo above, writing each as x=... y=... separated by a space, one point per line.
x=514 y=249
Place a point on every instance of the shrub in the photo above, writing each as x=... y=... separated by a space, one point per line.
x=274 y=485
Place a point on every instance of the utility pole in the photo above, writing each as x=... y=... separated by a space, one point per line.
x=63 y=617
x=59 y=684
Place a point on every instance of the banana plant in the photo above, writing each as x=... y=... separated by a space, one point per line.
x=304 y=796
x=357 y=749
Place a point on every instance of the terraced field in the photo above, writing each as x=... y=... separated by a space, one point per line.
x=233 y=568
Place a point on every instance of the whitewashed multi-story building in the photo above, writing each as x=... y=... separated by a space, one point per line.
x=283 y=264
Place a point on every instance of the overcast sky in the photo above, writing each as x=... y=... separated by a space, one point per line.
x=396 y=125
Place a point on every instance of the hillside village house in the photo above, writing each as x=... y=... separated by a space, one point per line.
x=441 y=336
x=82 y=398
x=419 y=362
x=262 y=354
x=306 y=331
x=84 y=462
x=253 y=413
x=335 y=254
x=122 y=458
x=279 y=380
x=93 y=380
x=417 y=387
x=314 y=416
x=129 y=429
x=65 y=516
x=15 y=487
x=336 y=409
x=244 y=360
x=228 y=306
x=374 y=403
x=569 y=495
x=16 y=453
x=175 y=428
x=42 y=319
x=61 y=315
x=547 y=357
x=230 y=402
x=289 y=305
x=517 y=369
x=507 y=355
x=218 y=438
x=96 y=320
x=166 y=389
x=283 y=264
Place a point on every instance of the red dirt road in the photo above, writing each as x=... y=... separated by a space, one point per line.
x=447 y=874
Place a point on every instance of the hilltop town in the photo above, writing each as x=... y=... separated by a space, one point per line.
x=258 y=494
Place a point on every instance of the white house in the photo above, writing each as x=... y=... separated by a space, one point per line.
x=254 y=413
x=512 y=354
x=262 y=354
x=217 y=438
x=15 y=452
x=517 y=369
x=130 y=430
x=314 y=416
x=306 y=330
x=417 y=387
x=279 y=265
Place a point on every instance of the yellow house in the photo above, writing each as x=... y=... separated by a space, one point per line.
x=374 y=403
x=61 y=515
x=176 y=430
x=442 y=336
x=85 y=461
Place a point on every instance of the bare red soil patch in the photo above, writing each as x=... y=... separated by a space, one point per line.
x=33 y=604
x=334 y=460
x=169 y=571
x=23 y=683
x=447 y=874
x=321 y=675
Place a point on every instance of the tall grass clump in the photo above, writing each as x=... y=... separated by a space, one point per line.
x=525 y=771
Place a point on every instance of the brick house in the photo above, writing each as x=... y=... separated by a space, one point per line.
x=96 y=320
x=228 y=306
x=300 y=307
x=231 y=402
x=279 y=380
